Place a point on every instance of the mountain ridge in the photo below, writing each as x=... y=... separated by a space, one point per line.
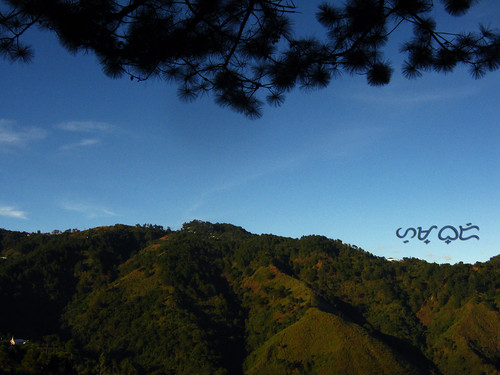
x=216 y=299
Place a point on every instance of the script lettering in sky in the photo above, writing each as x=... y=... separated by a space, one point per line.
x=447 y=233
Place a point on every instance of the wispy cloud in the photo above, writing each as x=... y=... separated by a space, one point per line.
x=14 y=135
x=12 y=212
x=87 y=142
x=89 y=210
x=343 y=143
x=338 y=144
x=384 y=248
x=96 y=128
x=239 y=180
x=85 y=126
x=414 y=97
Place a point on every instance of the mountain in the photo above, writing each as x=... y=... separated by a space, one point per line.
x=216 y=299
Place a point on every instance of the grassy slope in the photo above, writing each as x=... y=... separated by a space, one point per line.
x=323 y=343
x=471 y=344
x=305 y=339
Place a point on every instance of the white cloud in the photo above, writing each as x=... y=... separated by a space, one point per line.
x=83 y=143
x=14 y=135
x=12 y=212
x=85 y=126
x=90 y=210
x=95 y=127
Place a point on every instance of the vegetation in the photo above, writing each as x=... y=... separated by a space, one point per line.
x=215 y=299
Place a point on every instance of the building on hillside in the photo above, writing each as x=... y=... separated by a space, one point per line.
x=18 y=341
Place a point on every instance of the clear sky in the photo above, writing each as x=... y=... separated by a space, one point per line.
x=79 y=150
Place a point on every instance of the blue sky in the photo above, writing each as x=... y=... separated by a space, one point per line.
x=79 y=150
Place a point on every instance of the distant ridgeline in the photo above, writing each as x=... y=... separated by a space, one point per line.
x=215 y=299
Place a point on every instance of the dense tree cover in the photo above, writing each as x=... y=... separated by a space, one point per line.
x=43 y=272
x=216 y=299
x=247 y=51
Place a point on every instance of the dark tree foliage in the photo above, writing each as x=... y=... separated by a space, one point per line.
x=243 y=51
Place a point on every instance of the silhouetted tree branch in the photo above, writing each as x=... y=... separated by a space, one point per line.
x=243 y=51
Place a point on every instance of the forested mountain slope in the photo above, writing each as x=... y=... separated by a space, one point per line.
x=215 y=299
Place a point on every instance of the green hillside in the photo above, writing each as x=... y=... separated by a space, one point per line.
x=216 y=299
x=323 y=343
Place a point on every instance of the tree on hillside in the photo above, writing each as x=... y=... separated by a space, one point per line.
x=245 y=51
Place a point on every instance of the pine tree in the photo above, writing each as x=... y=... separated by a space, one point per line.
x=245 y=51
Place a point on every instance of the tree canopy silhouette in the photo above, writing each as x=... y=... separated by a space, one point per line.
x=245 y=51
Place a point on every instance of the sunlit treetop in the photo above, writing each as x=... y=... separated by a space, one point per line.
x=245 y=52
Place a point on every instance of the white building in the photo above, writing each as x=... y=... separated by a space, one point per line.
x=18 y=341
